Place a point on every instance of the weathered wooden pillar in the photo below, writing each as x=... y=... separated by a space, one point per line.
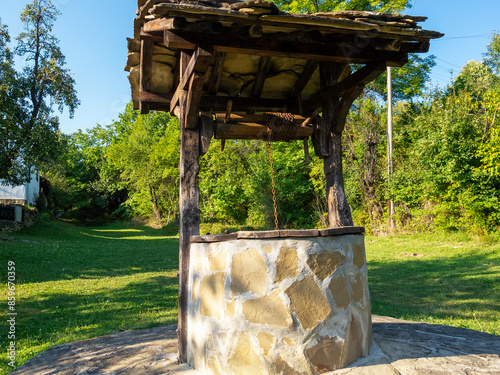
x=189 y=198
x=339 y=212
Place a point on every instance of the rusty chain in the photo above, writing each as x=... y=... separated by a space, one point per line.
x=273 y=186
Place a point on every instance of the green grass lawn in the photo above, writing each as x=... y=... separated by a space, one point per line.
x=444 y=279
x=74 y=283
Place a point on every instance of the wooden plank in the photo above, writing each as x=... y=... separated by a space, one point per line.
x=161 y=24
x=252 y=118
x=306 y=75
x=146 y=68
x=260 y=78
x=256 y=131
x=258 y=235
x=320 y=138
x=155 y=98
x=341 y=231
x=333 y=52
x=214 y=84
x=362 y=76
x=211 y=238
x=199 y=63
x=219 y=103
x=206 y=132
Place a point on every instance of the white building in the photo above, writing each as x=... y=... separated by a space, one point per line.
x=24 y=194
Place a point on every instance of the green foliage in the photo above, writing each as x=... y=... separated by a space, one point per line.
x=146 y=152
x=492 y=57
x=28 y=125
x=408 y=81
x=303 y=6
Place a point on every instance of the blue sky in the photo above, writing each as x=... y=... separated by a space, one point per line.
x=93 y=34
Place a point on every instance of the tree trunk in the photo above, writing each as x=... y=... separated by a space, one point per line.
x=334 y=114
x=339 y=212
x=154 y=202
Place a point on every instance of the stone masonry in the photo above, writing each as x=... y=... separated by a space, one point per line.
x=278 y=305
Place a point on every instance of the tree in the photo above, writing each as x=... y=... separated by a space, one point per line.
x=492 y=57
x=146 y=151
x=44 y=83
x=11 y=113
x=303 y=6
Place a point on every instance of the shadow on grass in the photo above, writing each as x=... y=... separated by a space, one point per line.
x=450 y=288
x=136 y=305
x=80 y=253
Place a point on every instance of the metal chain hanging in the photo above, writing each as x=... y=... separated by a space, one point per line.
x=273 y=186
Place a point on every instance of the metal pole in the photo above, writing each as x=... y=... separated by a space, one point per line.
x=389 y=143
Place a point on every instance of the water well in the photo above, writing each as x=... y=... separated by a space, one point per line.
x=278 y=302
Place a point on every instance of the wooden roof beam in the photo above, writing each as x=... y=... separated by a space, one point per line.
x=276 y=48
x=306 y=75
x=260 y=78
x=362 y=76
x=199 y=63
x=242 y=104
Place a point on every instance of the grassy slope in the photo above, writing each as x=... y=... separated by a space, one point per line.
x=76 y=283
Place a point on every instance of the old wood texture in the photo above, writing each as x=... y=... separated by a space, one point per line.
x=189 y=198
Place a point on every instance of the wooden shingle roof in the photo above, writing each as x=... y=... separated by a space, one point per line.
x=255 y=58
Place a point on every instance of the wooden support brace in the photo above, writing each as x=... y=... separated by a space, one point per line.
x=214 y=84
x=146 y=69
x=206 y=132
x=199 y=63
x=260 y=78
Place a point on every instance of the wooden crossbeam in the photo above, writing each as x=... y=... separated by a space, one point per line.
x=214 y=84
x=276 y=48
x=306 y=75
x=256 y=131
x=260 y=78
x=219 y=103
x=199 y=63
x=146 y=69
x=362 y=76
x=253 y=118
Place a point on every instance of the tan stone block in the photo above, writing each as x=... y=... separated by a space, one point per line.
x=212 y=295
x=325 y=263
x=218 y=262
x=268 y=310
x=230 y=308
x=266 y=341
x=326 y=355
x=267 y=249
x=283 y=368
x=354 y=343
x=245 y=360
x=248 y=273
x=287 y=264
x=359 y=256
x=214 y=365
x=358 y=288
x=308 y=302
x=340 y=293
x=288 y=341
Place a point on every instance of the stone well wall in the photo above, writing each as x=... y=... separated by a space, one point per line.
x=296 y=302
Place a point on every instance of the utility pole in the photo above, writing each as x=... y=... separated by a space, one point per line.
x=390 y=168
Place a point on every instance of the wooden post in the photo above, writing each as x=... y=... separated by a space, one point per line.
x=189 y=198
x=339 y=212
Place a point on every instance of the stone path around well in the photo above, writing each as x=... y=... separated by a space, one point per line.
x=400 y=348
